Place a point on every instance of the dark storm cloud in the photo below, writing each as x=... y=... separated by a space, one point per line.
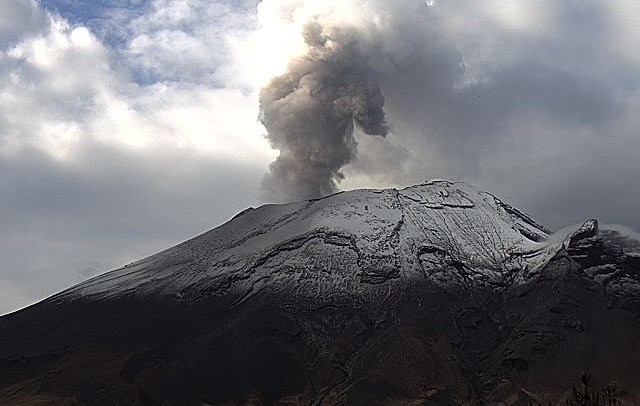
x=310 y=113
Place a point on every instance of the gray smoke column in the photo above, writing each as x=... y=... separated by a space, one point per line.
x=310 y=113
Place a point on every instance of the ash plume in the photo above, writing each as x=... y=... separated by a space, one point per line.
x=311 y=112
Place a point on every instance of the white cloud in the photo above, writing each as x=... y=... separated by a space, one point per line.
x=55 y=83
x=97 y=168
x=180 y=40
x=63 y=89
x=19 y=19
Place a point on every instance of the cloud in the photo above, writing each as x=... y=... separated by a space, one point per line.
x=533 y=101
x=21 y=19
x=63 y=223
x=539 y=114
x=178 y=40
x=123 y=121
x=63 y=89
x=98 y=168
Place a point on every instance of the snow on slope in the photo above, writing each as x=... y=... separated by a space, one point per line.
x=350 y=243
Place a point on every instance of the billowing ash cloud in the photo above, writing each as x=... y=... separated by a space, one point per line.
x=311 y=111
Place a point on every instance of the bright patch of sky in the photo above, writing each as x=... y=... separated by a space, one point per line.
x=108 y=19
x=164 y=40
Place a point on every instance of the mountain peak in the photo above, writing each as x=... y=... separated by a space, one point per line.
x=418 y=231
x=435 y=294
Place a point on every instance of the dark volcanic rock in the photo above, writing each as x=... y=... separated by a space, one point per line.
x=437 y=294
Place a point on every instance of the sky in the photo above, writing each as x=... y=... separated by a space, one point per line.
x=127 y=126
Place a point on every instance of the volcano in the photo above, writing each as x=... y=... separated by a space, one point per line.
x=436 y=294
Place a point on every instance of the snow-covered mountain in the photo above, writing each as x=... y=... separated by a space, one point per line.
x=435 y=294
x=343 y=244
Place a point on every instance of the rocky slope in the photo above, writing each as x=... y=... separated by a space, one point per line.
x=435 y=294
